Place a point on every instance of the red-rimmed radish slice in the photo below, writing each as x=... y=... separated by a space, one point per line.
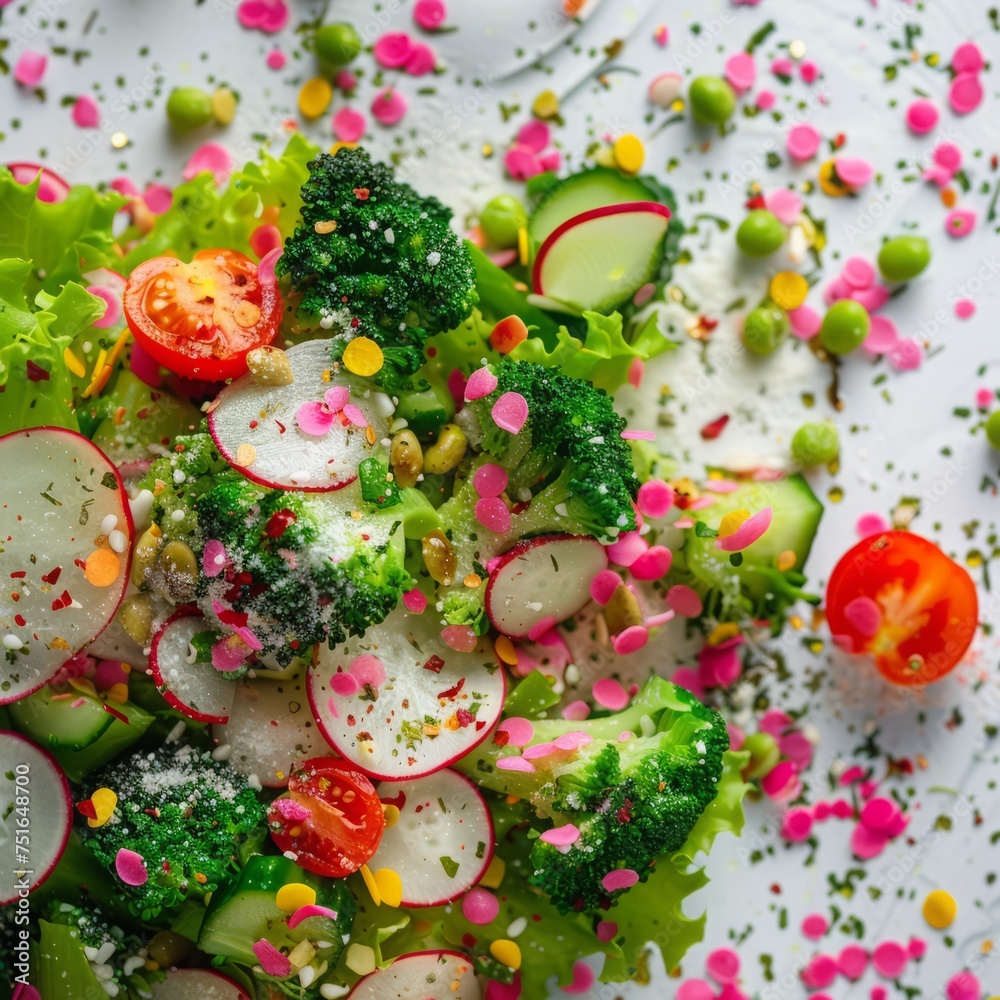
x=442 y=843
x=106 y=278
x=255 y=427
x=36 y=815
x=269 y=728
x=422 y=975
x=205 y=984
x=196 y=689
x=66 y=532
x=601 y=258
x=414 y=676
x=544 y=579
x=52 y=187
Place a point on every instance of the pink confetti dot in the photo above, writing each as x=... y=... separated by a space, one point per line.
x=867 y=843
x=421 y=60
x=86 y=112
x=968 y=58
x=539 y=629
x=889 y=959
x=775 y=721
x=604 y=585
x=741 y=71
x=921 y=116
x=871 y=298
x=766 y=100
x=809 y=71
x=461 y=638
x=131 y=867
x=609 y=693
x=492 y=513
x=820 y=972
x=878 y=993
x=367 y=669
x=870 y=524
x=583 y=980
x=490 y=480
x=723 y=965
x=782 y=66
x=841 y=809
x=576 y=711
x=276 y=59
x=907 y=355
x=815 y=926
x=960 y=222
x=720 y=665
x=349 y=125
x=522 y=163
x=515 y=764
x=30 y=68
x=510 y=412
x=631 y=640
x=620 y=878
x=880 y=814
x=481 y=383
x=948 y=156
x=393 y=49
x=355 y=414
x=653 y=564
x=752 y=529
x=655 y=498
x=965 y=308
x=963 y=986
x=480 y=907
x=797 y=824
x=414 y=601
x=803 y=142
x=917 y=948
x=782 y=783
x=389 y=106
x=805 y=322
x=213 y=158
x=344 y=685
x=112 y=306
x=852 y=962
x=882 y=337
x=272 y=961
x=858 y=272
x=518 y=730
x=685 y=601
x=984 y=398
x=430 y=14
x=694 y=989
x=854 y=171
x=159 y=198
x=269 y=16
x=536 y=135
x=606 y=931
x=785 y=205
x=561 y=836
x=966 y=93
x=662 y=36
x=864 y=615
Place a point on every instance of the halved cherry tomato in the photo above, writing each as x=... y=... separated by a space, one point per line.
x=330 y=817
x=899 y=597
x=200 y=319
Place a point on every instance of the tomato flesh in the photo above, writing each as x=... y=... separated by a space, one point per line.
x=200 y=319
x=330 y=817
x=898 y=597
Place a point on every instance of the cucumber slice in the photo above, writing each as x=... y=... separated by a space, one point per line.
x=118 y=737
x=61 y=722
x=242 y=914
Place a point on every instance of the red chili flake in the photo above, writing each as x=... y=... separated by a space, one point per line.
x=712 y=430
x=624 y=814
x=365 y=735
x=87 y=808
x=351 y=721
x=707 y=323
x=431 y=352
x=19 y=620
x=62 y=601
x=520 y=508
x=15 y=596
x=79 y=563
x=142 y=413
x=231 y=617
x=279 y=522
x=838 y=140
x=362 y=194
x=294 y=643
x=18 y=574
x=120 y=716
x=464 y=717
x=480 y=726
x=501 y=738
x=453 y=691
x=775 y=888
x=757 y=201
x=254 y=424
x=435 y=663
x=36 y=373
x=468 y=940
x=179 y=448
x=397 y=800
x=281 y=427
x=52 y=576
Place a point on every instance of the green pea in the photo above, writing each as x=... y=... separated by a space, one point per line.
x=845 y=326
x=903 y=258
x=764 y=329
x=336 y=45
x=188 y=108
x=764 y=754
x=760 y=233
x=993 y=429
x=502 y=218
x=712 y=100
x=816 y=443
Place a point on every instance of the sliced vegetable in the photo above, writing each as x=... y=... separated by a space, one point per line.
x=205 y=984
x=420 y=976
x=51 y=187
x=69 y=721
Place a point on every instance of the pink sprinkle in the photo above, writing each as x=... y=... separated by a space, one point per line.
x=836 y=290
x=694 y=989
x=336 y=398
x=518 y=730
x=967 y=58
x=654 y=621
x=965 y=308
x=631 y=640
x=652 y=564
x=522 y=163
x=210 y=157
x=480 y=907
x=540 y=629
x=814 y=926
x=248 y=637
x=130 y=867
x=367 y=669
x=785 y=205
x=461 y=638
x=766 y=99
x=889 y=959
x=626 y=549
x=355 y=414
x=878 y=993
x=620 y=878
x=606 y=931
x=575 y=740
x=723 y=965
x=389 y=106
x=684 y=600
x=430 y=14
x=867 y=789
x=748 y=532
x=689 y=680
x=272 y=961
x=880 y=814
x=86 y=112
x=853 y=171
x=809 y=71
x=604 y=585
x=576 y=711
x=535 y=134
x=228 y=656
x=820 y=972
x=984 y=398
x=858 y=272
x=805 y=322
x=960 y=222
x=393 y=49
x=481 y=383
x=510 y=412
x=661 y=35
x=720 y=665
x=159 y=198
x=907 y=355
x=921 y=116
x=561 y=836
x=723 y=486
x=883 y=336
x=948 y=155
x=421 y=61
x=864 y=615
x=871 y=298
x=797 y=824
x=349 y=125
x=492 y=513
x=937 y=175
x=841 y=809
x=637 y=368
x=346 y=81
x=782 y=782
x=515 y=764
x=775 y=722
x=30 y=68
x=314 y=418
x=917 y=948
x=963 y=986
x=310 y=910
x=866 y=843
x=655 y=498
x=741 y=72
x=125 y=186
x=608 y=693
x=638 y=436
x=213 y=558
x=583 y=980
x=415 y=601
x=490 y=480
x=266 y=15
x=276 y=59
x=870 y=524
x=803 y=142
x=782 y=66
x=966 y=93
x=797 y=748
x=112 y=306
x=852 y=962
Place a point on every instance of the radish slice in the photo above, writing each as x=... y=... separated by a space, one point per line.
x=196 y=689
x=262 y=420
x=114 y=643
x=35 y=801
x=183 y=984
x=269 y=728
x=422 y=975
x=69 y=497
x=601 y=258
x=414 y=676
x=52 y=187
x=443 y=841
x=545 y=579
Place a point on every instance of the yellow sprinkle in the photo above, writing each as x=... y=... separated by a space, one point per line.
x=494 y=874
x=731 y=522
x=506 y=953
x=472 y=581
x=722 y=632
x=366 y=874
x=789 y=289
x=315 y=97
x=104 y=800
x=246 y=455
x=119 y=140
x=224 y=105
x=786 y=560
x=546 y=105
x=630 y=154
x=390 y=886
x=363 y=357
x=95 y=375
x=391 y=814
x=200 y=878
x=118 y=693
x=74 y=364
x=829 y=182
x=940 y=909
x=797 y=49
x=505 y=650
x=605 y=157
x=295 y=895
x=523 y=248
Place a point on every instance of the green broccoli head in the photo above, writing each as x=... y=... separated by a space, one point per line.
x=632 y=800
x=185 y=814
x=374 y=258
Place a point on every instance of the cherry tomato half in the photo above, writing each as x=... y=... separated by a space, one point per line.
x=899 y=597
x=330 y=817
x=200 y=319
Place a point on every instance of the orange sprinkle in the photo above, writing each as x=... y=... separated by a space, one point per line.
x=102 y=568
x=948 y=197
x=573 y=7
x=505 y=650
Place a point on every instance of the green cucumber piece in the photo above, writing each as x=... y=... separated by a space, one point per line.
x=61 y=966
x=426 y=411
x=117 y=738
x=61 y=723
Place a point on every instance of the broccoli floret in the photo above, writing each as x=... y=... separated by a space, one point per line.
x=631 y=800
x=185 y=814
x=372 y=257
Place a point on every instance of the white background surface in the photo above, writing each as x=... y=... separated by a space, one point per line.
x=892 y=433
